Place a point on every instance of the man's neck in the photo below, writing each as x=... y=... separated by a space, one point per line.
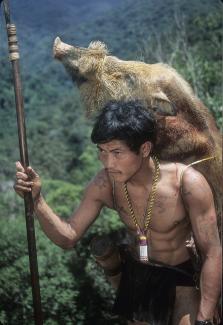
x=143 y=177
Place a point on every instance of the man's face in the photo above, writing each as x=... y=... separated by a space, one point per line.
x=119 y=161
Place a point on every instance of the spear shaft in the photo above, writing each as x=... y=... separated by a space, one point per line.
x=28 y=202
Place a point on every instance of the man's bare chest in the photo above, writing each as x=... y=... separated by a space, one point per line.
x=167 y=211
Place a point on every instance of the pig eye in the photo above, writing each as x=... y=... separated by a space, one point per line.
x=129 y=79
x=81 y=80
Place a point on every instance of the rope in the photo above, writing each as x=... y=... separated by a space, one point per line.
x=192 y=164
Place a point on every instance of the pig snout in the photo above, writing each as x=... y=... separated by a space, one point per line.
x=61 y=49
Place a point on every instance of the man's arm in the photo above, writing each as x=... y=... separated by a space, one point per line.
x=199 y=201
x=64 y=233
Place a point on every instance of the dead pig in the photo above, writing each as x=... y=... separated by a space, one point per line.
x=186 y=130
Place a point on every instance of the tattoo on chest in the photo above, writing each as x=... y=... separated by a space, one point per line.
x=160 y=206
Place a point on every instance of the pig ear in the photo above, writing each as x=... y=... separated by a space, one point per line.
x=90 y=62
x=99 y=48
x=162 y=105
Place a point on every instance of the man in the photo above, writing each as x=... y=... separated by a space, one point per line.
x=160 y=203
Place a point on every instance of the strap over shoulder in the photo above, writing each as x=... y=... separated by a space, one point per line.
x=192 y=164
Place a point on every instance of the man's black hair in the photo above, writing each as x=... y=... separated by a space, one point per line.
x=129 y=121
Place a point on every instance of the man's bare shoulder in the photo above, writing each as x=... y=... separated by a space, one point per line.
x=195 y=188
x=171 y=172
x=101 y=181
x=100 y=187
x=170 y=166
x=186 y=178
x=187 y=173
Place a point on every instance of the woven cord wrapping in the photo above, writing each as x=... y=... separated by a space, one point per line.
x=12 y=42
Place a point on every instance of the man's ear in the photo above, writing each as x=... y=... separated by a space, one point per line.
x=146 y=148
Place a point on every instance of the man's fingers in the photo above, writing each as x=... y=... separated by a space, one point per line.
x=19 y=167
x=20 y=188
x=31 y=172
x=20 y=193
x=24 y=183
x=20 y=175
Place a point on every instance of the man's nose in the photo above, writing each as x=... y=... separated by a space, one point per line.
x=109 y=162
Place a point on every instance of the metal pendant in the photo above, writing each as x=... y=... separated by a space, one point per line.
x=143 y=249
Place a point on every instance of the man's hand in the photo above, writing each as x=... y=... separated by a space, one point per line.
x=27 y=181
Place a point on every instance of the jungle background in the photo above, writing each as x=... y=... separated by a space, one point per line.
x=183 y=33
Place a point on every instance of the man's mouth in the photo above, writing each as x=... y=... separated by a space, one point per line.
x=110 y=171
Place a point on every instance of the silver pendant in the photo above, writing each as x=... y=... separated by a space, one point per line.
x=143 y=249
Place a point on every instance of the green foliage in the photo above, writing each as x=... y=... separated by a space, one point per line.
x=106 y=223
x=192 y=45
x=10 y=204
x=59 y=289
x=89 y=165
x=63 y=197
x=66 y=277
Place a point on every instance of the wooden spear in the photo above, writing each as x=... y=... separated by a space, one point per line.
x=28 y=202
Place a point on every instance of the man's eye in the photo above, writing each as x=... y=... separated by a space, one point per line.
x=101 y=150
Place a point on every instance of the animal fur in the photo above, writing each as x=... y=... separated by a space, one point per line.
x=186 y=130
